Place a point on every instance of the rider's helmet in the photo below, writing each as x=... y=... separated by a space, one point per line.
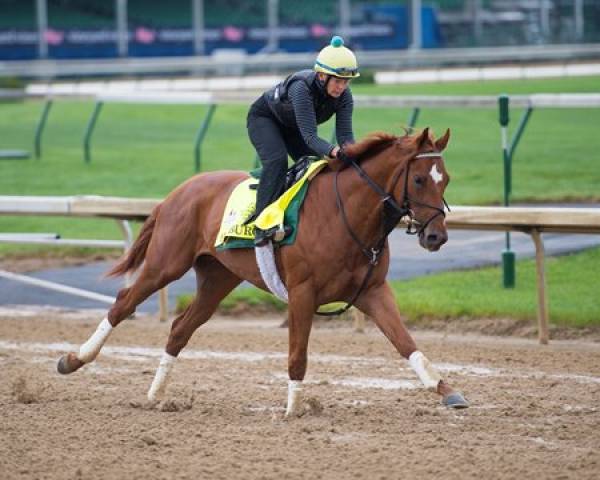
x=337 y=60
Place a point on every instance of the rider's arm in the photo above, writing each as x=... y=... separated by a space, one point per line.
x=306 y=118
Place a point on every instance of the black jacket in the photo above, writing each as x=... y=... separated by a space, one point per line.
x=296 y=112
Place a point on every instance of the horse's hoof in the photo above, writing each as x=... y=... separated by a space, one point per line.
x=68 y=364
x=455 y=400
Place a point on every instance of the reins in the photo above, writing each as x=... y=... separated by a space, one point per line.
x=392 y=213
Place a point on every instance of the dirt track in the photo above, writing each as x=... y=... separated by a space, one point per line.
x=535 y=413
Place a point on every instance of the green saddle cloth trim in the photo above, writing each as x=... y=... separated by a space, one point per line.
x=291 y=217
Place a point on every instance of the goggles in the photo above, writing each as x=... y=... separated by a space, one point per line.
x=349 y=72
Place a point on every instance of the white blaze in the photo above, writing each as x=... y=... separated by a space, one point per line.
x=436 y=174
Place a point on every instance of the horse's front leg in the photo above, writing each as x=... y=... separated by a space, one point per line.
x=300 y=316
x=379 y=303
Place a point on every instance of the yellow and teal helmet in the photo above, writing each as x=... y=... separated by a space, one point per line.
x=337 y=60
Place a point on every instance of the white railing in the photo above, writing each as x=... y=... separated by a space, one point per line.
x=244 y=64
x=531 y=220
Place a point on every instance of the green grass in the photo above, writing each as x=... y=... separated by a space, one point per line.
x=572 y=291
x=147 y=150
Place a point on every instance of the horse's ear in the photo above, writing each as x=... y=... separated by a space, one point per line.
x=421 y=139
x=440 y=143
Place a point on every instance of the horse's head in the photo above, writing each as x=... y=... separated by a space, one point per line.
x=408 y=175
x=421 y=187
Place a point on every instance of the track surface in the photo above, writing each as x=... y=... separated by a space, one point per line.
x=535 y=410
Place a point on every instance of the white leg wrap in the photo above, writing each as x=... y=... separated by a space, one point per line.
x=424 y=370
x=90 y=349
x=159 y=384
x=294 y=404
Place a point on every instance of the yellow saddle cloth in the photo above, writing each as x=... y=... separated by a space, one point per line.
x=242 y=203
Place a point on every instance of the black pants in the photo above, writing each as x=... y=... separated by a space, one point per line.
x=273 y=142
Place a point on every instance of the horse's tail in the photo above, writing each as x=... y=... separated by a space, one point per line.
x=135 y=256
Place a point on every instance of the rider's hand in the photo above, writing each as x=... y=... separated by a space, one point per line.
x=334 y=152
x=343 y=157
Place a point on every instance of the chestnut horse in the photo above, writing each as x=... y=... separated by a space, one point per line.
x=341 y=249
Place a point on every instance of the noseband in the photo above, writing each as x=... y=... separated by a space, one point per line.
x=392 y=214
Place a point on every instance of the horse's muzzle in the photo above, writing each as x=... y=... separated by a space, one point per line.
x=432 y=239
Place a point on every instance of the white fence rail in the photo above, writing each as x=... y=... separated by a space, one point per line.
x=243 y=64
x=531 y=220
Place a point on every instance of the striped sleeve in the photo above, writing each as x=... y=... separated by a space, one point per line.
x=306 y=118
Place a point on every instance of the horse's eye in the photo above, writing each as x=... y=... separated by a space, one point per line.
x=419 y=180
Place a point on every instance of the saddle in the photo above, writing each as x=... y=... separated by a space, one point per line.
x=239 y=219
x=293 y=174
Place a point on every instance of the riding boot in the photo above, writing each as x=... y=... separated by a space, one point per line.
x=269 y=188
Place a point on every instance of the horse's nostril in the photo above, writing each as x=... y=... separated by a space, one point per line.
x=432 y=238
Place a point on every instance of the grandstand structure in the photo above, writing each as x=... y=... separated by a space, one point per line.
x=34 y=29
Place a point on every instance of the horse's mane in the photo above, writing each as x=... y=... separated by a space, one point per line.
x=373 y=144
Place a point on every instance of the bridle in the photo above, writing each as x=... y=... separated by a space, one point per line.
x=392 y=213
x=414 y=227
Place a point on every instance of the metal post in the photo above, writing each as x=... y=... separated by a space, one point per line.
x=359 y=320
x=201 y=134
x=89 y=130
x=412 y=120
x=273 y=26
x=545 y=19
x=121 y=25
x=508 y=149
x=198 y=26
x=520 y=129
x=477 y=21
x=508 y=257
x=42 y=22
x=345 y=10
x=541 y=287
x=163 y=305
x=40 y=128
x=416 y=33
x=578 y=14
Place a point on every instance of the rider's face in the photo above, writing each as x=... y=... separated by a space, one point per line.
x=335 y=85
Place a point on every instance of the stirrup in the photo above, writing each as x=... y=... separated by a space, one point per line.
x=282 y=233
x=262 y=237
x=276 y=235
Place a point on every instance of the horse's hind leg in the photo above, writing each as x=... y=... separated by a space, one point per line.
x=380 y=304
x=152 y=278
x=214 y=282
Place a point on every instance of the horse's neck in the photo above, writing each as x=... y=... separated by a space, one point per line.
x=362 y=205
